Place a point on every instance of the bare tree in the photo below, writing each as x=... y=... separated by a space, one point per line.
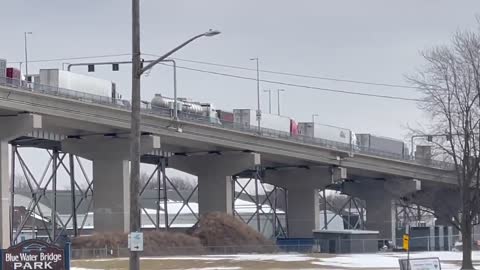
x=181 y=183
x=450 y=81
x=21 y=184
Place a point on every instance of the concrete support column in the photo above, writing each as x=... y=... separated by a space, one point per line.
x=214 y=172
x=379 y=196
x=111 y=196
x=303 y=212
x=111 y=177
x=442 y=218
x=5 y=189
x=215 y=192
x=303 y=185
x=381 y=215
x=10 y=128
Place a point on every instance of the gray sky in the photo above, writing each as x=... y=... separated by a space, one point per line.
x=370 y=40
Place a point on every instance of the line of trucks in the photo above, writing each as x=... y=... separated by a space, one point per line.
x=271 y=124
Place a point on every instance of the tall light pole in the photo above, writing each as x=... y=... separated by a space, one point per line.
x=313 y=118
x=259 y=112
x=26 y=54
x=269 y=100
x=278 y=99
x=137 y=71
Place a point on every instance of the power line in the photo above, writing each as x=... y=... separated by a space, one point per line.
x=233 y=67
x=72 y=58
x=295 y=74
x=300 y=85
x=249 y=78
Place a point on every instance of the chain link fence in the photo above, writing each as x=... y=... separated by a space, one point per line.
x=301 y=246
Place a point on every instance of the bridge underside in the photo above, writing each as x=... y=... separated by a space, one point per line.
x=263 y=202
x=281 y=191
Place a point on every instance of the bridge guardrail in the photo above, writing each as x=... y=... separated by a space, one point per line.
x=103 y=100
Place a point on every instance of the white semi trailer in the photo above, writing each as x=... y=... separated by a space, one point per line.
x=382 y=145
x=65 y=80
x=327 y=132
x=248 y=118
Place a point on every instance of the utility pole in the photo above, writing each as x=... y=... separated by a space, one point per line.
x=137 y=71
x=278 y=99
x=134 y=261
x=259 y=112
x=269 y=100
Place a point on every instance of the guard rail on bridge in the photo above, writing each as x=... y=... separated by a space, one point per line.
x=147 y=109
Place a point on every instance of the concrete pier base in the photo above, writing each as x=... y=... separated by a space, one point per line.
x=381 y=216
x=303 y=212
x=111 y=177
x=111 y=199
x=214 y=172
x=303 y=185
x=379 y=196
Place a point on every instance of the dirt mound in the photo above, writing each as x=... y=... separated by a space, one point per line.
x=155 y=243
x=230 y=235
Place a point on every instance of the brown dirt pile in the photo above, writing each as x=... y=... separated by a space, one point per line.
x=229 y=234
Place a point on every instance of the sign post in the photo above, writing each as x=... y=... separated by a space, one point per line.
x=406 y=246
x=406 y=242
x=35 y=255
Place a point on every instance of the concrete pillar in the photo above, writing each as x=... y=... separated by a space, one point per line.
x=303 y=212
x=5 y=189
x=111 y=177
x=379 y=196
x=214 y=172
x=442 y=218
x=303 y=185
x=381 y=215
x=11 y=128
x=111 y=196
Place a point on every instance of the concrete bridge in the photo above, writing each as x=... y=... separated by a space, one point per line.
x=98 y=130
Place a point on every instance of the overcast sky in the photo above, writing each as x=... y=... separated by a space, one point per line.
x=369 y=40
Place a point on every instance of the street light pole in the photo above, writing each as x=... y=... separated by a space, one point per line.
x=269 y=100
x=278 y=99
x=259 y=112
x=26 y=54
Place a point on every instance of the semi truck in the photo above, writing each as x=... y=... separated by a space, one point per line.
x=3 y=67
x=66 y=80
x=188 y=107
x=248 y=118
x=13 y=76
x=327 y=132
x=382 y=145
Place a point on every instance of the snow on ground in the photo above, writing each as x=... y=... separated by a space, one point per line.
x=201 y=268
x=266 y=257
x=390 y=260
x=450 y=260
x=241 y=257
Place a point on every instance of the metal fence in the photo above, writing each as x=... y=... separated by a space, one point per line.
x=305 y=246
x=201 y=119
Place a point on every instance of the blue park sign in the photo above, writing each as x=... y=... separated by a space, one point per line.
x=36 y=255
